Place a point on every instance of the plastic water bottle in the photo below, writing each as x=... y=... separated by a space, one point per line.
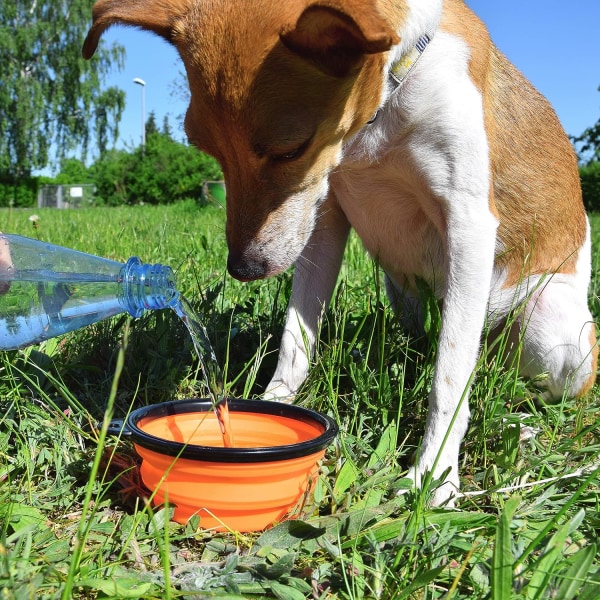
x=47 y=290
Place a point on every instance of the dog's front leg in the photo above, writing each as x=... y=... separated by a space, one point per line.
x=315 y=276
x=470 y=245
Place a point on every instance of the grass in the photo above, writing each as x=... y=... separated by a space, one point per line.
x=72 y=524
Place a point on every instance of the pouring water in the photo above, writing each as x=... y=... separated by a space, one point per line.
x=210 y=365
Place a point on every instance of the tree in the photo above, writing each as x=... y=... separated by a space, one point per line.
x=73 y=170
x=151 y=126
x=51 y=100
x=589 y=140
x=166 y=128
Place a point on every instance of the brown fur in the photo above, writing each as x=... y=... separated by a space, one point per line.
x=536 y=189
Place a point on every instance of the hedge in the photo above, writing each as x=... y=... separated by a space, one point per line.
x=18 y=192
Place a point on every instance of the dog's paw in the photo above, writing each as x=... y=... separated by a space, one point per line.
x=445 y=495
x=442 y=490
x=279 y=391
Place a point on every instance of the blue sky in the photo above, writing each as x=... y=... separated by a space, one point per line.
x=556 y=44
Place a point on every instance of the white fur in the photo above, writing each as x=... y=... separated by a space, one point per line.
x=445 y=157
x=554 y=325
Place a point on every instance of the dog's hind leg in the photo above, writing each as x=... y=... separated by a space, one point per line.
x=557 y=337
x=555 y=333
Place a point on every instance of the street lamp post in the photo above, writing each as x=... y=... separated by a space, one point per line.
x=142 y=83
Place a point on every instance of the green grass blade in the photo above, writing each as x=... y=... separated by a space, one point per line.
x=419 y=582
x=591 y=589
x=346 y=477
x=545 y=567
x=577 y=573
x=592 y=477
x=503 y=559
x=82 y=530
x=386 y=446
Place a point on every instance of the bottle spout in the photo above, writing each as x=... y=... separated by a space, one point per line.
x=147 y=287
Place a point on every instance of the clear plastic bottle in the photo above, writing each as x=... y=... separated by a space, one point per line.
x=47 y=290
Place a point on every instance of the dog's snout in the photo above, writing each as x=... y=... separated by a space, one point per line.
x=246 y=269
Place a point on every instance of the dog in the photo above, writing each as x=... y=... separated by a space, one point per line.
x=402 y=120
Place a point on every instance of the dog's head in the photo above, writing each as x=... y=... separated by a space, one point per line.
x=276 y=88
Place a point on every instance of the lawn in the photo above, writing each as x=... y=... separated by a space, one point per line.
x=73 y=520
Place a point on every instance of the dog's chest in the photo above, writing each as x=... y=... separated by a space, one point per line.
x=382 y=205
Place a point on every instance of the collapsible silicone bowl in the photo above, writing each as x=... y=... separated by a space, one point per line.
x=244 y=488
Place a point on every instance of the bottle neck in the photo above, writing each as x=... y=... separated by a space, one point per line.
x=147 y=287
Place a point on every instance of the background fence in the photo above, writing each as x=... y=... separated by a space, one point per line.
x=66 y=196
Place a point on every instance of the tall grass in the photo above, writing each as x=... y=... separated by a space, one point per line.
x=73 y=522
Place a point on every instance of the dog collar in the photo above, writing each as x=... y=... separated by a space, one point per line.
x=404 y=65
x=401 y=68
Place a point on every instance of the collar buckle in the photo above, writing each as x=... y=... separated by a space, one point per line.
x=400 y=70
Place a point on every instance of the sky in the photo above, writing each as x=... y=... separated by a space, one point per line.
x=556 y=44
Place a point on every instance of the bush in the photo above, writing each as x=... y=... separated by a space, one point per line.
x=165 y=172
x=590 y=185
x=110 y=174
x=20 y=192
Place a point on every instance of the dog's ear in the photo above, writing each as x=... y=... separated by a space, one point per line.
x=158 y=16
x=336 y=35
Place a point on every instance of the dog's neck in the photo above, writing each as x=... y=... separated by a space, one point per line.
x=400 y=69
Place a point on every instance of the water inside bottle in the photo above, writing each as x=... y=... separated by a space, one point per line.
x=210 y=366
x=42 y=305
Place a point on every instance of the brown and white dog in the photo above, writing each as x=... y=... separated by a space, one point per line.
x=464 y=178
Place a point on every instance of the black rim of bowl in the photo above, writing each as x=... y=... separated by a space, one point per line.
x=238 y=455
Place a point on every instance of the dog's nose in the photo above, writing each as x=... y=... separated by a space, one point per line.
x=246 y=269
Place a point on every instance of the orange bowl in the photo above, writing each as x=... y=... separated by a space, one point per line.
x=244 y=488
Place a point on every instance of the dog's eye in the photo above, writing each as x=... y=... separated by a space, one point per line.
x=283 y=152
x=291 y=154
x=288 y=155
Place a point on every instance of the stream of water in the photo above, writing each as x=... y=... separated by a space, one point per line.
x=210 y=366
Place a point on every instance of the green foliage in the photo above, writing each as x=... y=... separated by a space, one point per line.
x=165 y=172
x=590 y=185
x=588 y=143
x=110 y=173
x=23 y=191
x=51 y=100
x=20 y=191
x=169 y=171
x=73 y=170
